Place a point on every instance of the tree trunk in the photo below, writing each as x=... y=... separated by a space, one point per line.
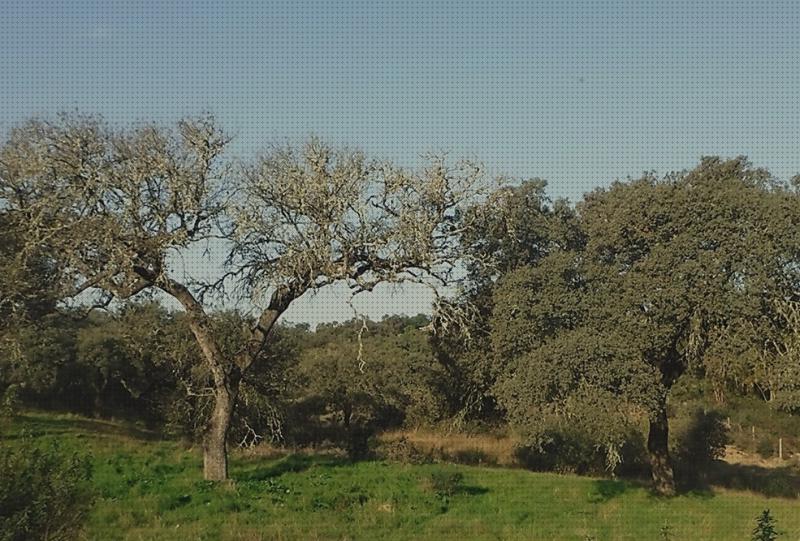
x=658 y=450
x=347 y=414
x=226 y=375
x=215 y=449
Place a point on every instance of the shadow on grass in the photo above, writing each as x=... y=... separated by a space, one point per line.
x=472 y=490
x=608 y=489
x=290 y=464
x=783 y=482
x=64 y=426
x=771 y=482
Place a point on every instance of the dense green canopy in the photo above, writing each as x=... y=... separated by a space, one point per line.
x=669 y=268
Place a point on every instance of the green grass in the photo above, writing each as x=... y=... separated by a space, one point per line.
x=152 y=489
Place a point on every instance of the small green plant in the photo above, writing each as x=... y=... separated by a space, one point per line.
x=765 y=528
x=446 y=484
x=665 y=533
x=277 y=490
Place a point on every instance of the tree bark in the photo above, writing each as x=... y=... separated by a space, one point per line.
x=658 y=450
x=215 y=444
x=347 y=413
x=225 y=377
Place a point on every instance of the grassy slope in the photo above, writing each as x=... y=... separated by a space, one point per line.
x=150 y=489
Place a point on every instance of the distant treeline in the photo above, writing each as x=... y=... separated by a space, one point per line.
x=141 y=363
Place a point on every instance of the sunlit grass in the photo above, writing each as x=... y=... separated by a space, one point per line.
x=153 y=489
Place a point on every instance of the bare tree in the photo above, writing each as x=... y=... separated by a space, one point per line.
x=112 y=207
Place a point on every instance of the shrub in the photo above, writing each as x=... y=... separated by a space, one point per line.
x=704 y=439
x=563 y=452
x=44 y=492
x=10 y=400
x=445 y=483
x=403 y=451
x=574 y=451
x=359 y=442
x=699 y=444
x=765 y=448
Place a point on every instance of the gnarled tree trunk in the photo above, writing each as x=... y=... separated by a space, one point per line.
x=658 y=451
x=226 y=378
x=215 y=450
x=226 y=375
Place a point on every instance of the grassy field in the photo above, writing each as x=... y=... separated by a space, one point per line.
x=152 y=489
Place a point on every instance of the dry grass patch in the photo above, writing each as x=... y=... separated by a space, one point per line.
x=459 y=447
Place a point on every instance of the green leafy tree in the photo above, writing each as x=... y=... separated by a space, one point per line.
x=778 y=361
x=373 y=373
x=28 y=281
x=37 y=358
x=120 y=361
x=517 y=227
x=668 y=266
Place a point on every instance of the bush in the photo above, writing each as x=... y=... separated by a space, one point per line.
x=704 y=439
x=574 y=451
x=44 y=492
x=445 y=484
x=765 y=448
x=359 y=442
x=403 y=451
x=698 y=444
x=563 y=452
x=10 y=401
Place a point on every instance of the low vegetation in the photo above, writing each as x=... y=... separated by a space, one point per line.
x=149 y=488
x=44 y=489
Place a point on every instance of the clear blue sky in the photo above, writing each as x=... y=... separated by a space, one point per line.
x=579 y=93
